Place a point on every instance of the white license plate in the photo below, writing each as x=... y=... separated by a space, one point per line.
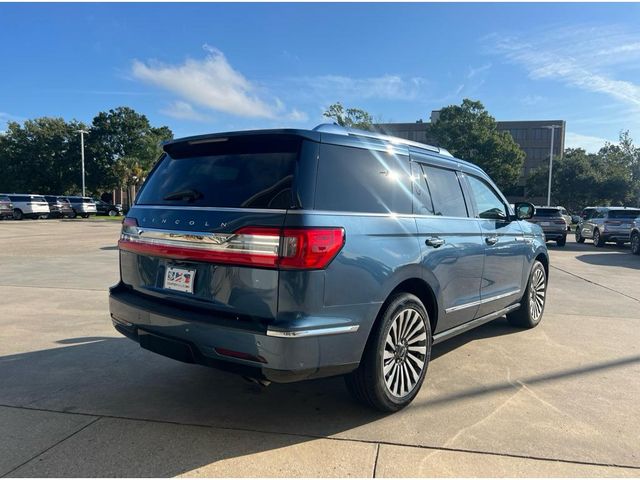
x=180 y=279
x=544 y=224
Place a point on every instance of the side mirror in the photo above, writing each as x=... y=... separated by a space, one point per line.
x=524 y=210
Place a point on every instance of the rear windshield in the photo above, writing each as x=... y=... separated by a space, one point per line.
x=87 y=200
x=37 y=198
x=246 y=172
x=624 y=213
x=547 y=212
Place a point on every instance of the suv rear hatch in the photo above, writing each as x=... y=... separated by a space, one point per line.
x=206 y=231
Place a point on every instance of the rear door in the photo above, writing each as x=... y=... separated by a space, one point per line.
x=452 y=250
x=205 y=226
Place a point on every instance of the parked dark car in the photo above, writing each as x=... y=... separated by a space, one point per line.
x=553 y=224
x=82 y=206
x=607 y=224
x=59 y=207
x=105 y=208
x=6 y=207
x=285 y=255
x=634 y=238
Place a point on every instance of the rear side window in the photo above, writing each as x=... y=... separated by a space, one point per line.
x=624 y=213
x=243 y=172
x=446 y=192
x=354 y=179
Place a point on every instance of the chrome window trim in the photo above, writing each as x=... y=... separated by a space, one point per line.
x=312 y=333
x=338 y=213
x=482 y=301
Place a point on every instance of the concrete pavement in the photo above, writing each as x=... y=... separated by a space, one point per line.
x=77 y=399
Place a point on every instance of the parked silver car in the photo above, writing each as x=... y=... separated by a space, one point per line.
x=553 y=224
x=607 y=224
x=82 y=206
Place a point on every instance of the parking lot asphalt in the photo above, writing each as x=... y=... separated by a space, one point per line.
x=77 y=399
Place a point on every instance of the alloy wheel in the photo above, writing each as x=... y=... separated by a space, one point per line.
x=537 y=292
x=405 y=352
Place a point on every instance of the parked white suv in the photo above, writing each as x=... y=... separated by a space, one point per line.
x=29 y=206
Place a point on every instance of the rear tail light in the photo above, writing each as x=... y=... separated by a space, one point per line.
x=288 y=248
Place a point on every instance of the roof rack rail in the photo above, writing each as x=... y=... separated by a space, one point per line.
x=339 y=130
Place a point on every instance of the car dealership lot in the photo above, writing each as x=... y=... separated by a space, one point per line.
x=77 y=399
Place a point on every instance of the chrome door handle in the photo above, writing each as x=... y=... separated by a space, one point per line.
x=434 y=242
x=491 y=240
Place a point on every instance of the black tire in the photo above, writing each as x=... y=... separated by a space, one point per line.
x=579 y=237
x=635 y=243
x=533 y=301
x=73 y=214
x=598 y=241
x=369 y=384
x=17 y=214
x=85 y=215
x=562 y=242
x=113 y=213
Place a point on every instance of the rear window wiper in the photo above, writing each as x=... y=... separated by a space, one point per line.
x=189 y=195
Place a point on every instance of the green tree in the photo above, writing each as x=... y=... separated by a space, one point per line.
x=41 y=156
x=350 y=117
x=122 y=147
x=575 y=182
x=470 y=133
x=609 y=177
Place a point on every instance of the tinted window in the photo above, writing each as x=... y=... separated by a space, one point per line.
x=4 y=198
x=422 y=197
x=547 y=212
x=489 y=205
x=251 y=172
x=446 y=192
x=17 y=198
x=359 y=180
x=38 y=198
x=624 y=213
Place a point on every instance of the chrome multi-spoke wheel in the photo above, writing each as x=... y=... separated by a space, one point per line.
x=396 y=357
x=531 y=307
x=404 y=352
x=537 y=292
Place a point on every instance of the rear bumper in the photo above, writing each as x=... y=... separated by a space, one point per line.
x=621 y=236
x=249 y=349
x=554 y=234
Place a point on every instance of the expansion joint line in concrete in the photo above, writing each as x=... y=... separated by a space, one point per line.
x=51 y=446
x=320 y=437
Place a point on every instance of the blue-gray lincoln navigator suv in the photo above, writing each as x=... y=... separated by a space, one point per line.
x=285 y=255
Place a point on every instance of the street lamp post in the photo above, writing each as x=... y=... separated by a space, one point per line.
x=553 y=129
x=82 y=134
